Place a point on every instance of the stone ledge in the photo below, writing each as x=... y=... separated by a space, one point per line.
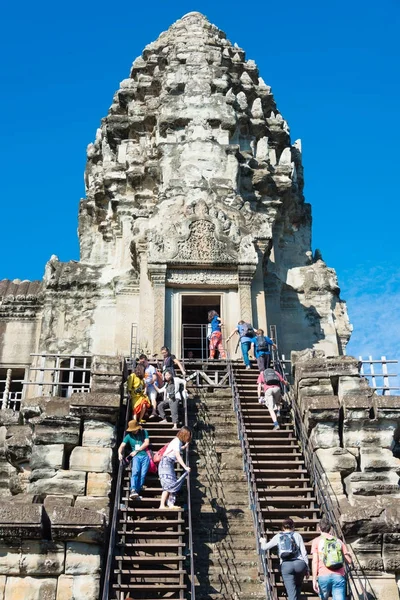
x=20 y=520
x=76 y=524
x=96 y=406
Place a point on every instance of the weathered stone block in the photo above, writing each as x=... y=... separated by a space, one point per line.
x=107 y=365
x=30 y=588
x=63 y=482
x=106 y=384
x=41 y=558
x=9 y=417
x=368 y=550
x=57 y=430
x=10 y=557
x=325 y=435
x=20 y=520
x=89 y=460
x=76 y=524
x=98 y=484
x=34 y=407
x=81 y=587
x=366 y=517
x=2 y=587
x=19 y=442
x=37 y=474
x=368 y=432
x=58 y=499
x=378 y=459
x=95 y=503
x=82 y=559
x=335 y=482
x=337 y=459
x=96 y=406
x=96 y=433
x=391 y=552
x=50 y=456
x=306 y=366
x=350 y=386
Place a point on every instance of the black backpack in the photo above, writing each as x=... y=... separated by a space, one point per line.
x=287 y=547
x=270 y=377
x=261 y=343
x=247 y=330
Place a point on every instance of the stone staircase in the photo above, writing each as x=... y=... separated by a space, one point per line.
x=149 y=559
x=282 y=480
x=226 y=561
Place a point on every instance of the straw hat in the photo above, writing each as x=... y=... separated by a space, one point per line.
x=133 y=426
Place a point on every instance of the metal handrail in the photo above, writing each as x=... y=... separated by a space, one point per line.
x=324 y=492
x=265 y=560
x=189 y=512
x=114 y=519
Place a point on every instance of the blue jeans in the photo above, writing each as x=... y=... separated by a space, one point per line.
x=245 y=352
x=334 y=585
x=140 y=466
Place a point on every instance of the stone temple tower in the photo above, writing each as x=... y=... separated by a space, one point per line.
x=194 y=199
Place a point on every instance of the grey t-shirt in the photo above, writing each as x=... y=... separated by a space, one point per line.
x=302 y=553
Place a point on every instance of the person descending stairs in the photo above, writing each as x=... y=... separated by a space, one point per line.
x=149 y=553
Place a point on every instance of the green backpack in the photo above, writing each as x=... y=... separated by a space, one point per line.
x=332 y=553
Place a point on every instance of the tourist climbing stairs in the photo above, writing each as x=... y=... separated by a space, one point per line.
x=148 y=546
x=281 y=479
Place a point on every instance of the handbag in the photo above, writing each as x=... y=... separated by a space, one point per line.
x=152 y=466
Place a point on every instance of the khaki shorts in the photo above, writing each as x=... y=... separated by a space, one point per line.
x=273 y=398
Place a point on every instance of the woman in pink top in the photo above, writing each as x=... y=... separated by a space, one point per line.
x=329 y=579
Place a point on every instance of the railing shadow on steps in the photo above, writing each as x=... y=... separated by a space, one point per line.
x=265 y=561
x=114 y=520
x=359 y=586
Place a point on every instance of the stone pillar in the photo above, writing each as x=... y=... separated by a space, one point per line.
x=6 y=389
x=245 y=278
x=157 y=274
x=259 y=303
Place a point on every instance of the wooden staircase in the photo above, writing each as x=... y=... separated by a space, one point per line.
x=282 y=481
x=149 y=558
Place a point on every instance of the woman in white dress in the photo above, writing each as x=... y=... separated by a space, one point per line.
x=166 y=470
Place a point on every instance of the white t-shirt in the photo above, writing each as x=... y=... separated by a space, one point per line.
x=174 y=445
x=148 y=375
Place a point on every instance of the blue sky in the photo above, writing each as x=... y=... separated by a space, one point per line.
x=334 y=70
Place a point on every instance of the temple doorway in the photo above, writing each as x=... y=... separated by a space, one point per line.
x=195 y=323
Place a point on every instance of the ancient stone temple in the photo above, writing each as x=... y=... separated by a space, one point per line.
x=194 y=198
x=194 y=201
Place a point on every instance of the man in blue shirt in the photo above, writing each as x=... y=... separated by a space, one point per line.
x=261 y=349
x=246 y=334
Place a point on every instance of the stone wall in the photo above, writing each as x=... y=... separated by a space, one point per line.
x=56 y=464
x=355 y=433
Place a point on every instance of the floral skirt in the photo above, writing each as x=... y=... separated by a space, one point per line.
x=138 y=400
x=167 y=475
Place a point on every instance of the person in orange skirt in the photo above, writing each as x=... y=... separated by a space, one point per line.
x=137 y=389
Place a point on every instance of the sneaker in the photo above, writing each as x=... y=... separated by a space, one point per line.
x=133 y=495
x=175 y=426
x=276 y=427
x=248 y=367
x=163 y=422
x=261 y=401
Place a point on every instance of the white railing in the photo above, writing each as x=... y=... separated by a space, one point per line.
x=60 y=374
x=378 y=380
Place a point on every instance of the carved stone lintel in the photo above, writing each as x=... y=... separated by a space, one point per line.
x=203 y=277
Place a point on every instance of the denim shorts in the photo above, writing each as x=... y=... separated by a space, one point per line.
x=332 y=585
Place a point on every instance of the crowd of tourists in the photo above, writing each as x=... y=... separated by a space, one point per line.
x=152 y=390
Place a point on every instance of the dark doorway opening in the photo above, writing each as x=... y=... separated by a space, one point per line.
x=195 y=324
